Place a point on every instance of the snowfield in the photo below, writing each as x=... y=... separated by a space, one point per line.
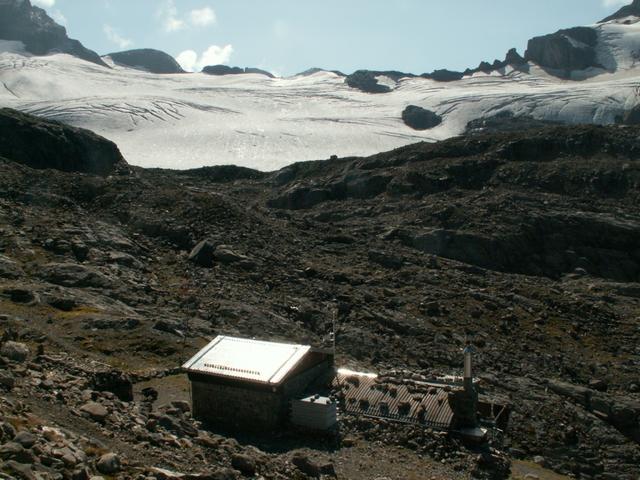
x=190 y=120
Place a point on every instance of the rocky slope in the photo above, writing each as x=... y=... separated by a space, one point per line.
x=45 y=144
x=21 y=21
x=631 y=10
x=526 y=243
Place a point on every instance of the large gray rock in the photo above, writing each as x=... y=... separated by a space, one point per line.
x=75 y=275
x=148 y=59
x=109 y=464
x=420 y=118
x=9 y=268
x=95 y=411
x=224 y=254
x=18 y=352
x=202 y=253
x=42 y=144
x=565 y=51
x=26 y=439
x=20 y=21
x=244 y=463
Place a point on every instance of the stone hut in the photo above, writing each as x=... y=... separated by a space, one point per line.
x=249 y=384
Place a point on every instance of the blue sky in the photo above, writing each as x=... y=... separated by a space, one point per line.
x=289 y=36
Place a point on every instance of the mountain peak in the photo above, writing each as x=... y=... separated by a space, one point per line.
x=632 y=9
x=20 y=21
x=147 y=59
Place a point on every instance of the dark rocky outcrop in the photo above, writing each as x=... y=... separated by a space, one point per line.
x=226 y=70
x=312 y=71
x=626 y=11
x=632 y=116
x=420 y=118
x=150 y=60
x=444 y=75
x=506 y=121
x=41 y=144
x=513 y=59
x=564 y=51
x=366 y=81
x=20 y=21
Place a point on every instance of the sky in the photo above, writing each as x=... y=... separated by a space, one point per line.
x=286 y=37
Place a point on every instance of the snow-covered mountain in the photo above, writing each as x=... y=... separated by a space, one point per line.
x=191 y=120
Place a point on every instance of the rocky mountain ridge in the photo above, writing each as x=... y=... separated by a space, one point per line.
x=561 y=53
x=21 y=21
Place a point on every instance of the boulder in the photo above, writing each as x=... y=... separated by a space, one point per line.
x=7 y=432
x=18 y=352
x=95 y=411
x=75 y=275
x=147 y=59
x=15 y=451
x=306 y=465
x=578 y=394
x=20 y=21
x=202 y=253
x=26 y=439
x=224 y=254
x=9 y=268
x=114 y=381
x=244 y=463
x=109 y=464
x=420 y=118
x=21 y=295
x=42 y=144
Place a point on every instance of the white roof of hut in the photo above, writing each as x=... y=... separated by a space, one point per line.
x=245 y=359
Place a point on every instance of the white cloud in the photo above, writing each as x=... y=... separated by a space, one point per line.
x=615 y=3
x=44 y=3
x=214 y=55
x=59 y=17
x=188 y=60
x=172 y=20
x=168 y=14
x=201 y=17
x=114 y=37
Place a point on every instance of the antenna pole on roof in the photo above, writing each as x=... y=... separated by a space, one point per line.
x=333 y=328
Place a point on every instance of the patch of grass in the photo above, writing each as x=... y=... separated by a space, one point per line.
x=94 y=451
x=80 y=311
x=24 y=423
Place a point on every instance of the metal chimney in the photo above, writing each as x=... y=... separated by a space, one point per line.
x=468 y=374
